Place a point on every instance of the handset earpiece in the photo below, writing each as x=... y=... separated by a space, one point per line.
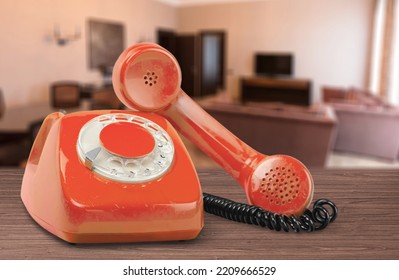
x=147 y=77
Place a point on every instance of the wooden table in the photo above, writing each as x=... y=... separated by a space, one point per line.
x=367 y=226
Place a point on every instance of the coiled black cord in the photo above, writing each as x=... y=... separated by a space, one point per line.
x=309 y=221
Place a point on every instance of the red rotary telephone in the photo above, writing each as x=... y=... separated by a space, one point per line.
x=124 y=176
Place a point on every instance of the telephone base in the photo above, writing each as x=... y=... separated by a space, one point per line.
x=87 y=238
x=73 y=202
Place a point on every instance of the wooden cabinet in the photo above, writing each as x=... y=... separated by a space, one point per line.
x=264 y=89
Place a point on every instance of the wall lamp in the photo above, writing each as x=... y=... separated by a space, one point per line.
x=64 y=39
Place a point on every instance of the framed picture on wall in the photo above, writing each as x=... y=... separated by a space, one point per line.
x=106 y=42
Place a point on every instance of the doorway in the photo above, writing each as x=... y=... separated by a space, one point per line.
x=201 y=57
x=212 y=62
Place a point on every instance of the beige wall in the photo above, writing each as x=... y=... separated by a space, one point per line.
x=29 y=57
x=328 y=38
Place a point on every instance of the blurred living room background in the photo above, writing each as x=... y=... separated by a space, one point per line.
x=318 y=80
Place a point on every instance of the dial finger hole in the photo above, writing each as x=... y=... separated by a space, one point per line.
x=132 y=168
x=148 y=164
x=115 y=163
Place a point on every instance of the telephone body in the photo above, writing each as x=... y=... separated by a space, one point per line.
x=128 y=194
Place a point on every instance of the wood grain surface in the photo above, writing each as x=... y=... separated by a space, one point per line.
x=367 y=226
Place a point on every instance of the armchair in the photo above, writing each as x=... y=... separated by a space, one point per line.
x=65 y=94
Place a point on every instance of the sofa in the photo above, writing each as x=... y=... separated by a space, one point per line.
x=307 y=134
x=366 y=124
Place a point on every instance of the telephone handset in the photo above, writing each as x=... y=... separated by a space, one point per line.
x=147 y=77
x=124 y=176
